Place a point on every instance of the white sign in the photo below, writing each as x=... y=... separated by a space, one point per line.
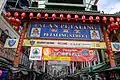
x=35 y=53
x=59 y=63
x=11 y=43
x=66 y=44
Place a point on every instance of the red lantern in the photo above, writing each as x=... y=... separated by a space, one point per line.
x=31 y=15
x=8 y=14
x=76 y=17
x=12 y=19
x=107 y=31
x=83 y=18
x=116 y=26
x=112 y=19
x=104 y=19
x=16 y=14
x=61 y=16
x=118 y=20
x=18 y=22
x=97 y=18
x=23 y=15
x=53 y=16
x=38 y=16
x=46 y=16
x=68 y=17
x=91 y=18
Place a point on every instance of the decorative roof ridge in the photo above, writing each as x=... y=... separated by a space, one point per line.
x=62 y=11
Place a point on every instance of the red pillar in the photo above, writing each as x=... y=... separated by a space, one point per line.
x=109 y=50
x=18 y=51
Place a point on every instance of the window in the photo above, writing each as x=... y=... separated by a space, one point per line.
x=67 y=1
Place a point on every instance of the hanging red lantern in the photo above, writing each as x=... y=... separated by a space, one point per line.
x=76 y=17
x=91 y=18
x=97 y=18
x=68 y=17
x=16 y=14
x=112 y=19
x=53 y=16
x=110 y=27
x=116 y=26
x=104 y=19
x=61 y=16
x=31 y=15
x=18 y=22
x=38 y=16
x=23 y=15
x=118 y=20
x=107 y=31
x=46 y=16
x=8 y=14
x=12 y=19
x=83 y=18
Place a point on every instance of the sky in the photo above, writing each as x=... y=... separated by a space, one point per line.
x=109 y=6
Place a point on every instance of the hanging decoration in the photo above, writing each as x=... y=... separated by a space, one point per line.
x=107 y=31
x=76 y=17
x=38 y=16
x=16 y=14
x=8 y=14
x=18 y=22
x=46 y=16
x=12 y=20
x=83 y=18
x=97 y=18
x=91 y=18
x=61 y=16
x=53 y=16
x=113 y=26
x=23 y=15
x=118 y=20
x=68 y=17
x=104 y=19
x=31 y=15
x=112 y=19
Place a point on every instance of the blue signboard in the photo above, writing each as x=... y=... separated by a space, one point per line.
x=52 y=30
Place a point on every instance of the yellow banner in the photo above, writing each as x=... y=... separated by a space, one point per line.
x=57 y=58
x=64 y=44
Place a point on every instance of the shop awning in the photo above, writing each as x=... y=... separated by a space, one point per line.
x=102 y=68
x=116 y=68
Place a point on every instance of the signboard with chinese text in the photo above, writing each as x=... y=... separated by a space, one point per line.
x=69 y=54
x=52 y=30
x=63 y=43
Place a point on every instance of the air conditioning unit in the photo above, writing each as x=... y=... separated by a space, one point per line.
x=77 y=3
x=38 y=4
x=34 y=4
x=94 y=7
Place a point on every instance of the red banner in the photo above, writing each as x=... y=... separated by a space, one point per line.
x=69 y=54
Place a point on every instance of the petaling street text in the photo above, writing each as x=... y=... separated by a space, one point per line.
x=65 y=35
x=68 y=26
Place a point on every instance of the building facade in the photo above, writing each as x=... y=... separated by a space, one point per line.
x=69 y=37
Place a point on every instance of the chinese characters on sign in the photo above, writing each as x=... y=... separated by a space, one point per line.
x=69 y=54
x=64 y=44
x=65 y=31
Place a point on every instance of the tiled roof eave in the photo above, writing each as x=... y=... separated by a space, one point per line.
x=61 y=11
